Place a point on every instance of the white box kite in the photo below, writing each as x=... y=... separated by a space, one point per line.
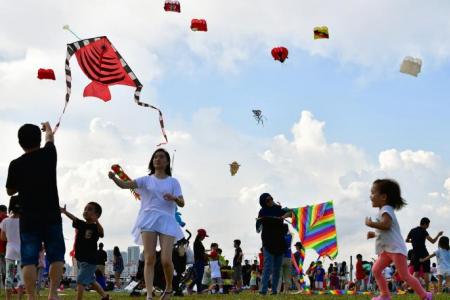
x=411 y=66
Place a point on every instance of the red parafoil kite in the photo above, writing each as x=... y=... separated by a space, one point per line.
x=280 y=53
x=199 y=25
x=104 y=66
x=46 y=74
x=172 y=5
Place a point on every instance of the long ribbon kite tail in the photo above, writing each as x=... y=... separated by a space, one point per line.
x=69 y=54
x=137 y=95
x=138 y=101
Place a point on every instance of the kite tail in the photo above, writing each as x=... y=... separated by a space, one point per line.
x=70 y=52
x=137 y=96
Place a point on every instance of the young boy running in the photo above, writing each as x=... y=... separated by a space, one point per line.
x=88 y=233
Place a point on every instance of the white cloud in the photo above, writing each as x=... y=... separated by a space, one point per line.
x=393 y=159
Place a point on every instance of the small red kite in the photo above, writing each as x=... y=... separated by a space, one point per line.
x=46 y=74
x=280 y=53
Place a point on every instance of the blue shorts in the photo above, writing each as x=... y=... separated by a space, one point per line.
x=86 y=273
x=31 y=244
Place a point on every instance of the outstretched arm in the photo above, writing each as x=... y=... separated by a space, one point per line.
x=288 y=214
x=431 y=240
x=384 y=224
x=122 y=184
x=408 y=238
x=49 y=137
x=11 y=192
x=427 y=258
x=178 y=200
x=68 y=214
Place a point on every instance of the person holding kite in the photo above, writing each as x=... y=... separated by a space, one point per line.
x=33 y=177
x=160 y=195
x=270 y=224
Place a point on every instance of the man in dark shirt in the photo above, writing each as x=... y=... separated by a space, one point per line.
x=270 y=224
x=200 y=259
x=33 y=177
x=102 y=257
x=88 y=233
x=417 y=236
x=237 y=265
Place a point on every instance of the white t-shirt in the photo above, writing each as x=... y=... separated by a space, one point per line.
x=443 y=261
x=152 y=190
x=11 y=228
x=215 y=269
x=390 y=240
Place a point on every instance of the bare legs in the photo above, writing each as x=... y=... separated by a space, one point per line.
x=150 y=239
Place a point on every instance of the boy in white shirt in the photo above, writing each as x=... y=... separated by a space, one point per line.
x=10 y=232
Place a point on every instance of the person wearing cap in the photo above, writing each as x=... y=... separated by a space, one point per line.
x=160 y=196
x=200 y=259
x=270 y=224
x=297 y=256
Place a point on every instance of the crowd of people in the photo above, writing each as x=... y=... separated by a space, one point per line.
x=34 y=226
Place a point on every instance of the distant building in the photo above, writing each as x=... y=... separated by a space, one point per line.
x=133 y=254
x=124 y=257
x=109 y=255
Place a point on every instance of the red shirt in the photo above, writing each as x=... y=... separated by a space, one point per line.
x=214 y=255
x=3 y=243
x=360 y=275
x=261 y=261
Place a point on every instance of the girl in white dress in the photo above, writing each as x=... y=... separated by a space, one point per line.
x=160 y=194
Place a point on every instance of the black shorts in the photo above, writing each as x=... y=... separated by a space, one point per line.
x=421 y=266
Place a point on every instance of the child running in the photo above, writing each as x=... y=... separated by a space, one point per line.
x=389 y=244
x=443 y=262
x=88 y=233
x=10 y=232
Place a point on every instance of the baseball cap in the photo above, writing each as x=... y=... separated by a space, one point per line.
x=202 y=232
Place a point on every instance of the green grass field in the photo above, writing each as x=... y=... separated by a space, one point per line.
x=70 y=294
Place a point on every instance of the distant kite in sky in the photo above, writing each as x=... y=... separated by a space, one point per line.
x=234 y=167
x=172 y=5
x=199 y=25
x=46 y=74
x=321 y=32
x=280 y=53
x=259 y=117
x=411 y=66
x=104 y=66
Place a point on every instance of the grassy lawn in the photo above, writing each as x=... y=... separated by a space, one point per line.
x=70 y=294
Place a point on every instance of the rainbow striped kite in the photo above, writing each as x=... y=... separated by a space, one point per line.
x=298 y=265
x=316 y=227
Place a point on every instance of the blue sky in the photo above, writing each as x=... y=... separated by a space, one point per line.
x=390 y=110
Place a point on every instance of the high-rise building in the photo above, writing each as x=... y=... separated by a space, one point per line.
x=124 y=257
x=109 y=255
x=133 y=254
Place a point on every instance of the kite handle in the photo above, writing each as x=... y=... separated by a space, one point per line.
x=66 y=27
